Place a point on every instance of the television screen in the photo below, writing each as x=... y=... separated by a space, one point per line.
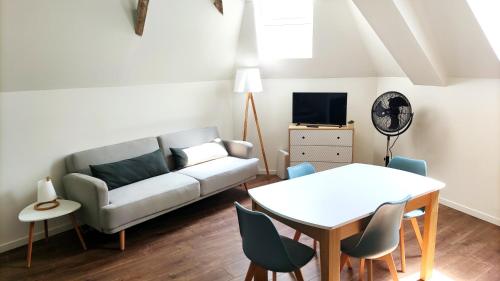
x=319 y=108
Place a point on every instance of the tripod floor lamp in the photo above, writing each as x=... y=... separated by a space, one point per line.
x=248 y=81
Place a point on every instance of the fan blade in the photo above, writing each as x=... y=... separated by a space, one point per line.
x=397 y=102
x=394 y=122
x=380 y=110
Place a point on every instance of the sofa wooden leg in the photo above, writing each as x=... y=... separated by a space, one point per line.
x=122 y=240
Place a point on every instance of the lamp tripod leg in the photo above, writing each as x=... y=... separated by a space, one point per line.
x=245 y=120
x=258 y=131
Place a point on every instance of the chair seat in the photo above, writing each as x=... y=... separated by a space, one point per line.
x=414 y=214
x=299 y=253
x=350 y=247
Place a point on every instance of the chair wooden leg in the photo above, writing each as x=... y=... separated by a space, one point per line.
x=414 y=223
x=392 y=267
x=370 y=270
x=122 y=240
x=349 y=265
x=245 y=186
x=296 y=237
x=274 y=276
x=298 y=275
x=402 y=247
x=361 y=269
x=314 y=245
x=343 y=260
x=250 y=272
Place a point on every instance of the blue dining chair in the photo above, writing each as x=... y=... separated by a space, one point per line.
x=417 y=167
x=265 y=248
x=300 y=170
x=379 y=239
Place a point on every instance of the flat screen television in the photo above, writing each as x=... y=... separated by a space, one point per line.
x=319 y=108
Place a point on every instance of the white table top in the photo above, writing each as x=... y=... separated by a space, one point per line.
x=29 y=214
x=336 y=197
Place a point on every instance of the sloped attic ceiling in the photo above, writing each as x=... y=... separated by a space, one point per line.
x=71 y=43
x=425 y=40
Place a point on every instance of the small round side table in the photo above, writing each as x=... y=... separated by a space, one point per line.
x=29 y=214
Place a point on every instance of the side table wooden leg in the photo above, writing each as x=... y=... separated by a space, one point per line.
x=46 y=228
x=77 y=229
x=30 y=243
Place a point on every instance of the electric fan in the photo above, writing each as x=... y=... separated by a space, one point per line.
x=391 y=116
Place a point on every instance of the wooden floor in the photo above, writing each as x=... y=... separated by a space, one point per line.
x=202 y=242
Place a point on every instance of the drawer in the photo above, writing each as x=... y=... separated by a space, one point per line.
x=321 y=137
x=320 y=153
x=322 y=166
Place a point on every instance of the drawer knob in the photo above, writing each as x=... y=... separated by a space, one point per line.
x=338 y=154
x=338 y=138
x=303 y=137
x=303 y=153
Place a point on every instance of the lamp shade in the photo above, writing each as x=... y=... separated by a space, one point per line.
x=247 y=80
x=46 y=191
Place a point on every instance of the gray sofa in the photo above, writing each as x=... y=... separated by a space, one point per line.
x=115 y=210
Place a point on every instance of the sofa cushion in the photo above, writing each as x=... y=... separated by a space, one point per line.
x=185 y=157
x=137 y=200
x=79 y=162
x=220 y=173
x=185 y=138
x=131 y=170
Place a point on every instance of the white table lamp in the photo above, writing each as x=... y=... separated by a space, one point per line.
x=248 y=81
x=46 y=194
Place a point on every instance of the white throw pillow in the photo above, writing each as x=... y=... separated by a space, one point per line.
x=185 y=157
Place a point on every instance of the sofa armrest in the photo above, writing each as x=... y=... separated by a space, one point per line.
x=240 y=149
x=91 y=192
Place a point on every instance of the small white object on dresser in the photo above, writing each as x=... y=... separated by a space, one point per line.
x=323 y=146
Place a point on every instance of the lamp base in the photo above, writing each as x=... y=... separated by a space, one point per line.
x=53 y=204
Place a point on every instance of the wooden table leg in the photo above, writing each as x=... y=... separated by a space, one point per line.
x=30 y=243
x=329 y=246
x=430 y=229
x=77 y=229
x=46 y=228
x=260 y=274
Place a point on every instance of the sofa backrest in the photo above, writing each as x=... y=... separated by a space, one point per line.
x=79 y=162
x=184 y=139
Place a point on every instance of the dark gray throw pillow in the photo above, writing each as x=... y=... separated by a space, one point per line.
x=131 y=170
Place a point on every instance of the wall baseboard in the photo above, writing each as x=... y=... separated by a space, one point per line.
x=36 y=236
x=470 y=211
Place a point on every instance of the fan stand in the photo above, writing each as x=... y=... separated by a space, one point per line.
x=387 y=151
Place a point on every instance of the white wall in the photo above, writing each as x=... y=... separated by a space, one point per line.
x=39 y=128
x=456 y=129
x=274 y=108
x=63 y=44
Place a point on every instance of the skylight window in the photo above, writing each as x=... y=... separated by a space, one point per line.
x=284 y=28
x=487 y=15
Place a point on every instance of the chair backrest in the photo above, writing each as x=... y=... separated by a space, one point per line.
x=410 y=165
x=381 y=235
x=300 y=170
x=261 y=242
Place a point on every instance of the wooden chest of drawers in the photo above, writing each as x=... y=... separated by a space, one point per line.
x=323 y=147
